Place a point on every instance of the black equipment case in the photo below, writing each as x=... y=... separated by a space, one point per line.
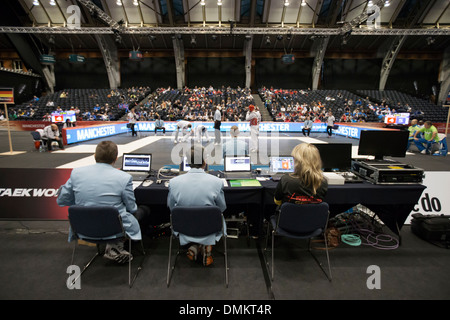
x=432 y=228
x=387 y=172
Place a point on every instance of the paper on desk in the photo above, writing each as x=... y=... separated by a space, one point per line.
x=136 y=184
x=225 y=183
x=245 y=183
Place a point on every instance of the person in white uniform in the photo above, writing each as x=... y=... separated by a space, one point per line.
x=185 y=127
x=197 y=188
x=254 y=117
x=200 y=131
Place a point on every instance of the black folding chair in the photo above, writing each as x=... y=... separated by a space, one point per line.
x=100 y=225
x=300 y=221
x=196 y=222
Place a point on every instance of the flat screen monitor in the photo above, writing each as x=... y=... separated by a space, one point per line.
x=137 y=162
x=397 y=119
x=381 y=143
x=335 y=156
x=281 y=164
x=63 y=116
x=237 y=164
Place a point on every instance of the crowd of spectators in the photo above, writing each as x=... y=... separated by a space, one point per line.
x=296 y=105
x=199 y=104
x=196 y=104
x=87 y=104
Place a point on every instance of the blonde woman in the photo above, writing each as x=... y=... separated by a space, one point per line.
x=307 y=183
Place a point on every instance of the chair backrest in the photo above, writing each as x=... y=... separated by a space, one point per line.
x=303 y=218
x=197 y=221
x=95 y=222
x=36 y=135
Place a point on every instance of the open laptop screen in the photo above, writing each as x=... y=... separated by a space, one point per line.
x=281 y=164
x=237 y=164
x=136 y=162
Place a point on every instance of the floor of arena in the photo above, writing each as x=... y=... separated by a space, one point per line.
x=36 y=253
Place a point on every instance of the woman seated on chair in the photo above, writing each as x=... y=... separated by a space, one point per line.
x=307 y=183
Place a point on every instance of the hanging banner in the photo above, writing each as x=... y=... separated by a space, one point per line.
x=30 y=194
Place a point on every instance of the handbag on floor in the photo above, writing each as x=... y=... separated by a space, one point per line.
x=432 y=228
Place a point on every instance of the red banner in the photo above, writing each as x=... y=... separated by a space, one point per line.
x=31 y=193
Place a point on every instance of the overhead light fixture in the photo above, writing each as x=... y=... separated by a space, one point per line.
x=52 y=3
x=219 y=2
x=286 y=3
x=202 y=2
x=35 y=3
x=119 y=2
x=387 y=3
x=303 y=3
x=135 y=2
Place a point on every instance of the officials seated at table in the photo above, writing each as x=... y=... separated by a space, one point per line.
x=197 y=188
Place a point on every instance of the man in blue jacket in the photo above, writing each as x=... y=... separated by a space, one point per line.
x=197 y=188
x=103 y=185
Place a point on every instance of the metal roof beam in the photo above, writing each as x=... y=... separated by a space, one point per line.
x=226 y=30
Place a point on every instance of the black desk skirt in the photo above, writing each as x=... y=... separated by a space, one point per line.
x=391 y=203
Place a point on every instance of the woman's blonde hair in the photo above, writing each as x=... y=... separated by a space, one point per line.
x=308 y=166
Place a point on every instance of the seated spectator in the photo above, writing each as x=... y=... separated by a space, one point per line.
x=159 y=124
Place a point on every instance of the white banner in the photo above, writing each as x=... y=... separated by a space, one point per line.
x=435 y=198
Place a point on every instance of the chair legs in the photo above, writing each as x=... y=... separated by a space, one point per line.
x=87 y=265
x=271 y=267
x=131 y=282
x=171 y=268
x=328 y=275
x=226 y=260
x=98 y=253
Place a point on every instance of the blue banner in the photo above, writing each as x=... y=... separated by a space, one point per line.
x=75 y=135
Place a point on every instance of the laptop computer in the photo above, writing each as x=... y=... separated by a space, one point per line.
x=237 y=168
x=278 y=166
x=137 y=164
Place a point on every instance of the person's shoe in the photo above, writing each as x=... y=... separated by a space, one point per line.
x=424 y=151
x=192 y=253
x=116 y=252
x=207 y=258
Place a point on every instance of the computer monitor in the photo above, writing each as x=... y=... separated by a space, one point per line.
x=63 y=116
x=397 y=119
x=137 y=162
x=281 y=164
x=237 y=164
x=381 y=143
x=335 y=156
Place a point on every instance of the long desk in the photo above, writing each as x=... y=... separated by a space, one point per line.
x=391 y=203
